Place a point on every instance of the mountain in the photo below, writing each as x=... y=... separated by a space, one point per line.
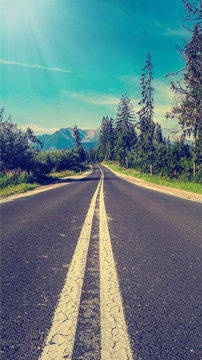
x=63 y=139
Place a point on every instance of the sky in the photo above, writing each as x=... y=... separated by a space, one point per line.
x=68 y=62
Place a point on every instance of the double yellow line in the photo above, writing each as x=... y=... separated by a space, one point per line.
x=114 y=337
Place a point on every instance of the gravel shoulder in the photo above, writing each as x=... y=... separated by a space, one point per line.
x=56 y=184
x=164 y=189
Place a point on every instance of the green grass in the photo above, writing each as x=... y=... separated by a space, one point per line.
x=11 y=189
x=156 y=179
x=16 y=189
x=66 y=173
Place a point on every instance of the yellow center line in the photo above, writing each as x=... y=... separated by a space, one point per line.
x=115 y=343
x=60 y=340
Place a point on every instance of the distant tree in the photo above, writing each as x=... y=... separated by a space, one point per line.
x=78 y=144
x=160 y=151
x=91 y=155
x=102 y=140
x=106 y=139
x=158 y=136
x=77 y=137
x=125 y=134
x=33 y=138
x=146 y=124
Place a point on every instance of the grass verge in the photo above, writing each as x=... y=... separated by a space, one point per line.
x=19 y=188
x=66 y=173
x=156 y=179
x=44 y=180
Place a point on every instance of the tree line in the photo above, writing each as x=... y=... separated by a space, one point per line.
x=22 y=150
x=136 y=140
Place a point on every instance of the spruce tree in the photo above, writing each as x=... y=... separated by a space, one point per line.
x=125 y=134
x=77 y=137
x=146 y=124
x=78 y=144
x=193 y=10
x=187 y=106
x=106 y=139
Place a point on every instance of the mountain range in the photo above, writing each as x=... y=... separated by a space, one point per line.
x=63 y=139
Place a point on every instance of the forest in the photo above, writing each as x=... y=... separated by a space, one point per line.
x=136 y=140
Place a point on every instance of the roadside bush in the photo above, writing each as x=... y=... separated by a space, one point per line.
x=14 y=177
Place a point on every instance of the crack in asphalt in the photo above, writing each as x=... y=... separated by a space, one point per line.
x=115 y=343
x=77 y=317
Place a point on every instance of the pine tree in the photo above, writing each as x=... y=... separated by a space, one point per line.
x=106 y=139
x=77 y=137
x=125 y=134
x=78 y=144
x=160 y=151
x=193 y=10
x=146 y=124
x=187 y=106
x=109 y=150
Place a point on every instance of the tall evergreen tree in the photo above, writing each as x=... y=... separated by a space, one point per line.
x=125 y=134
x=187 y=106
x=78 y=144
x=106 y=139
x=77 y=137
x=193 y=9
x=146 y=124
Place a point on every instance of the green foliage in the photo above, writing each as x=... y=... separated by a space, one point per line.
x=147 y=150
x=78 y=144
x=16 y=189
x=182 y=183
x=16 y=151
x=15 y=177
x=125 y=134
x=21 y=163
x=46 y=162
x=146 y=124
x=77 y=137
x=66 y=173
x=106 y=140
x=91 y=156
x=188 y=92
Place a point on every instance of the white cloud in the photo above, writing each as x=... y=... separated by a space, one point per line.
x=130 y=79
x=7 y=62
x=176 y=32
x=96 y=99
x=163 y=93
x=38 y=129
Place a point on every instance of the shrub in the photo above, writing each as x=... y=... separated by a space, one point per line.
x=14 y=177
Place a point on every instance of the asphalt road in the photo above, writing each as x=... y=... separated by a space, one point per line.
x=155 y=241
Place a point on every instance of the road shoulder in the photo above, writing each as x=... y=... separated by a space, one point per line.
x=56 y=184
x=164 y=189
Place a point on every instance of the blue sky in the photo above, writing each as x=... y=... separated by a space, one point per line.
x=67 y=62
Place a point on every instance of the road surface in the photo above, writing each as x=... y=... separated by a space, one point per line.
x=100 y=269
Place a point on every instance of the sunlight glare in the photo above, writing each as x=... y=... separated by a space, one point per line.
x=21 y=10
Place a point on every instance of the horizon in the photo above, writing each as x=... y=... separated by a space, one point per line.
x=68 y=63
